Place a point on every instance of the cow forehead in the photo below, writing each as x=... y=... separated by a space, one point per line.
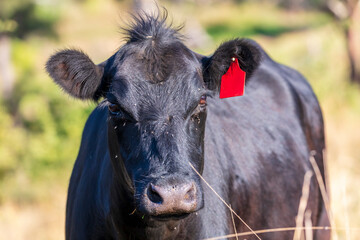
x=143 y=87
x=156 y=61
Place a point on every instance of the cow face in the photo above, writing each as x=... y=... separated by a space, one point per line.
x=155 y=90
x=156 y=125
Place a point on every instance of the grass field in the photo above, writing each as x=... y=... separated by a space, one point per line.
x=36 y=156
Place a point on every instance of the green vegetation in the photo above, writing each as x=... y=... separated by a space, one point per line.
x=40 y=126
x=248 y=20
x=23 y=17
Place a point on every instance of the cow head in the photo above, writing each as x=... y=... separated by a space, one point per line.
x=155 y=90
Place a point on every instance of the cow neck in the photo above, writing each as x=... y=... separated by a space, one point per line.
x=137 y=228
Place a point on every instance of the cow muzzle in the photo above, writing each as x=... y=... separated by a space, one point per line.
x=169 y=199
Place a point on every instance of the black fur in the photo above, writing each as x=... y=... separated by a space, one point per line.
x=157 y=44
x=253 y=150
x=145 y=27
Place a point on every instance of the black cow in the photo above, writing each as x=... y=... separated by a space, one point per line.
x=135 y=175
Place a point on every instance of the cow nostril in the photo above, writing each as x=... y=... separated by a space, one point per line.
x=190 y=194
x=154 y=195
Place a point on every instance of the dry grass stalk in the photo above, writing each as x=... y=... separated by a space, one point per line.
x=345 y=203
x=308 y=226
x=326 y=173
x=226 y=204
x=233 y=221
x=285 y=229
x=324 y=195
x=302 y=205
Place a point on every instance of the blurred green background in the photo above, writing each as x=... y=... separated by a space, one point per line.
x=40 y=126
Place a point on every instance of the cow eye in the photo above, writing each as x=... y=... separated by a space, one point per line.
x=202 y=102
x=114 y=109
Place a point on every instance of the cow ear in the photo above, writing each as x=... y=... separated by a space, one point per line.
x=246 y=51
x=74 y=72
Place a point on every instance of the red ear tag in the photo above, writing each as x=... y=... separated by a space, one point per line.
x=233 y=81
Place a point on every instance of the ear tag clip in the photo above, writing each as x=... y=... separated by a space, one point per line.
x=233 y=81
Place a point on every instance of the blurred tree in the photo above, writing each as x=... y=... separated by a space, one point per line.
x=346 y=13
x=6 y=70
x=18 y=18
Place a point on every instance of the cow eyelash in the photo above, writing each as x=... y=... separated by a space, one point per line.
x=114 y=109
x=117 y=112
